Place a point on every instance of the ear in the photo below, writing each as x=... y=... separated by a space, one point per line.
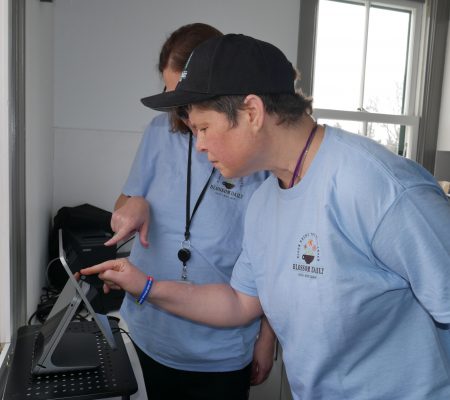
x=255 y=111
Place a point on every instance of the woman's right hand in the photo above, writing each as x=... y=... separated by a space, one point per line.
x=133 y=216
x=118 y=274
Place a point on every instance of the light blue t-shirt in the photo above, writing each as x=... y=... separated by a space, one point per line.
x=352 y=268
x=159 y=174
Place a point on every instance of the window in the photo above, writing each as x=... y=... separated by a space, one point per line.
x=366 y=69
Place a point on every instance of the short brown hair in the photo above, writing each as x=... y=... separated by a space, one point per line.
x=289 y=108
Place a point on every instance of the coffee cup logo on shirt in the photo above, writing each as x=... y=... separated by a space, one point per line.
x=229 y=188
x=308 y=257
x=228 y=183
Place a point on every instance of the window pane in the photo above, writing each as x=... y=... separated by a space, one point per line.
x=350 y=126
x=387 y=52
x=389 y=135
x=339 y=47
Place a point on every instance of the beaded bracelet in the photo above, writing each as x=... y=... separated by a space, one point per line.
x=146 y=291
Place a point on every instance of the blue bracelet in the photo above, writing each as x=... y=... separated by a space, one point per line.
x=146 y=291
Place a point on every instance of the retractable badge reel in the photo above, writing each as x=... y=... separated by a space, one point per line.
x=184 y=254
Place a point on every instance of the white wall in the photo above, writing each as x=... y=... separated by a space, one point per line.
x=91 y=165
x=39 y=142
x=444 y=118
x=106 y=53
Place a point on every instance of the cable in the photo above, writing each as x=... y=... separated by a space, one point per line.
x=124 y=243
x=47 y=268
x=46 y=302
x=123 y=331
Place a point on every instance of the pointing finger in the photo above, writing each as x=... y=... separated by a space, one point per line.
x=121 y=234
x=104 y=266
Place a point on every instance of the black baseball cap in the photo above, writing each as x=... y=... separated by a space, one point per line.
x=232 y=64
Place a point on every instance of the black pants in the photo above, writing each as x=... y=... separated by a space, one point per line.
x=164 y=383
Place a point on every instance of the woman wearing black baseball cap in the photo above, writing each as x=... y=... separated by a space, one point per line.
x=346 y=246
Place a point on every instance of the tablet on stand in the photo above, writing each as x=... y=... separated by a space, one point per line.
x=55 y=349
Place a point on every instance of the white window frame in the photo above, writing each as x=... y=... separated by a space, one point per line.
x=411 y=118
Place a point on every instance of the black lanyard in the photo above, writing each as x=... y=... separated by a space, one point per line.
x=184 y=254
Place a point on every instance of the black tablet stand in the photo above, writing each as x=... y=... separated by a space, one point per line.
x=114 y=376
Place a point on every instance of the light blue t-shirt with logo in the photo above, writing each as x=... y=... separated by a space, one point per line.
x=352 y=268
x=159 y=174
